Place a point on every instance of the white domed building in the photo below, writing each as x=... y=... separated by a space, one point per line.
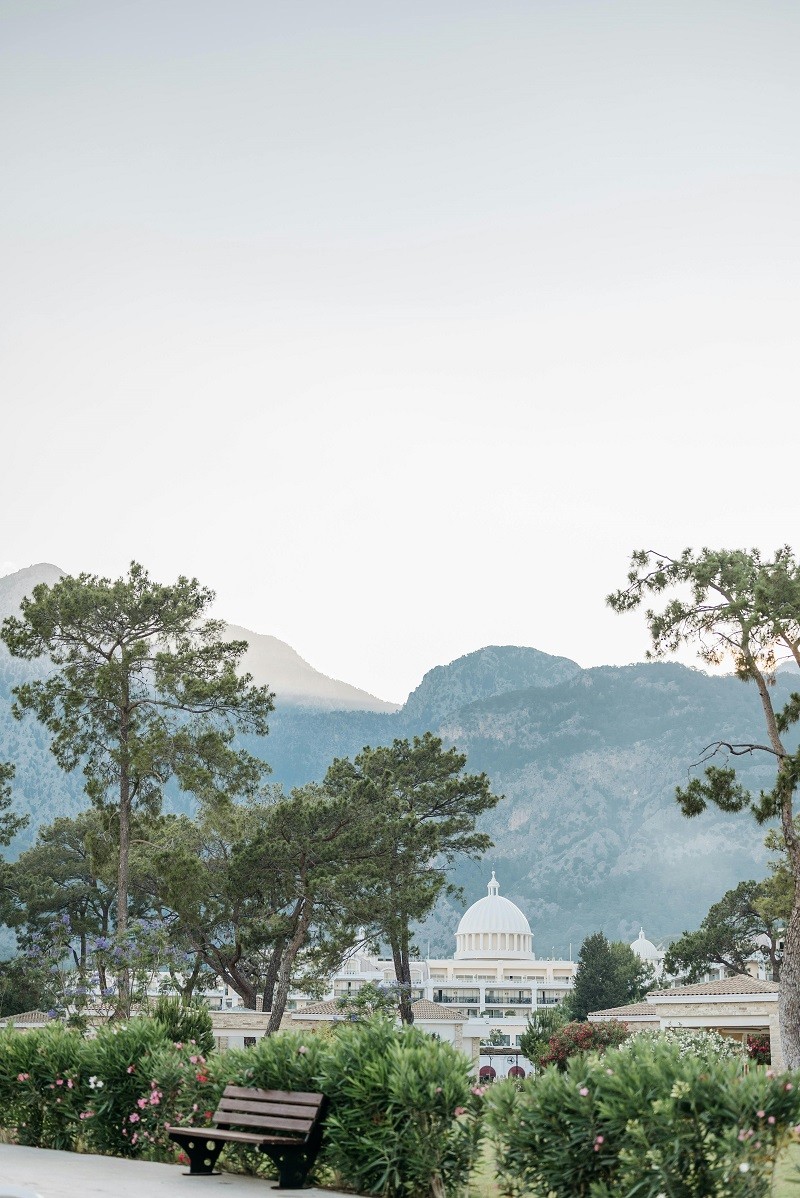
x=646 y=951
x=481 y=997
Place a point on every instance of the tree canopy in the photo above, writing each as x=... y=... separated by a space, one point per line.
x=748 y=919
x=419 y=810
x=609 y=974
x=144 y=689
x=740 y=608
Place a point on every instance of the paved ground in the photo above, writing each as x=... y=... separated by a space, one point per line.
x=74 y=1175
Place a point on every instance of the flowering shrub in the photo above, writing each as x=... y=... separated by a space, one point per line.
x=574 y=1038
x=643 y=1119
x=404 y=1114
x=759 y=1050
x=43 y=1085
x=692 y=1042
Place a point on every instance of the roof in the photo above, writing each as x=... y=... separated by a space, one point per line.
x=634 y=1008
x=422 y=1008
x=27 y=1017
x=741 y=983
x=493 y=913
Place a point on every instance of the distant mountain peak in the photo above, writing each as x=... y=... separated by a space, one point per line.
x=493 y=670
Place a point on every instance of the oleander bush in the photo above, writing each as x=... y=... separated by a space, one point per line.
x=643 y=1120
x=579 y=1037
x=696 y=1042
x=404 y=1117
x=185 y=1023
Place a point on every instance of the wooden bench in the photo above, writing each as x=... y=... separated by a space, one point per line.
x=285 y=1124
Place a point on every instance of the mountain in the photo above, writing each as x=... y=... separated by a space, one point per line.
x=275 y=664
x=588 y=835
x=480 y=675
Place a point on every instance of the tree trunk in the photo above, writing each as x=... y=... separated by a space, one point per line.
x=124 y=977
x=789 y=988
x=285 y=970
x=402 y=971
x=268 y=995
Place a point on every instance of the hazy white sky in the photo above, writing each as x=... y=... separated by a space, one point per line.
x=399 y=324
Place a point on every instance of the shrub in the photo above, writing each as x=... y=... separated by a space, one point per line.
x=576 y=1038
x=643 y=1120
x=759 y=1049
x=43 y=1085
x=185 y=1023
x=404 y=1117
x=695 y=1042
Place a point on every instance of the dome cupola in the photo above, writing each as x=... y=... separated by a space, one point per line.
x=493 y=927
x=645 y=950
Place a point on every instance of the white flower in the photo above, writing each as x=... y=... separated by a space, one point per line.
x=95 y=1083
x=744 y=1167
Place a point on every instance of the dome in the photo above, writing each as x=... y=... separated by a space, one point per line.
x=644 y=949
x=493 y=927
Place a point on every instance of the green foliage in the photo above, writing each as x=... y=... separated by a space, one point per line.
x=404 y=1115
x=542 y=1024
x=643 y=1120
x=25 y=985
x=43 y=1085
x=10 y=824
x=144 y=689
x=419 y=809
x=609 y=974
x=729 y=934
x=695 y=1042
x=575 y=1038
x=185 y=1022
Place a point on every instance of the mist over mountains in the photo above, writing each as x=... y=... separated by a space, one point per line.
x=588 y=836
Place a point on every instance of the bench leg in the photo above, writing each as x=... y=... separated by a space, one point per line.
x=293 y=1167
x=202 y=1154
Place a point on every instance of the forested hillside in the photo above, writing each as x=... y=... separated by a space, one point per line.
x=588 y=836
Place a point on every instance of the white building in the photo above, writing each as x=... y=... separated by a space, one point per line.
x=480 y=996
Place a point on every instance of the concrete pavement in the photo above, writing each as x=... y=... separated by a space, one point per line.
x=75 y=1175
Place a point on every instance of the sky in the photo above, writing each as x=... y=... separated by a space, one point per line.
x=398 y=324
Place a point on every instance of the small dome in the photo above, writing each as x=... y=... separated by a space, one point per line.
x=644 y=949
x=493 y=927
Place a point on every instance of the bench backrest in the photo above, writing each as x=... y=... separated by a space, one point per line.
x=286 y=1111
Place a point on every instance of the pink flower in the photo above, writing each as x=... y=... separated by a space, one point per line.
x=460 y=1110
x=59 y=1081
x=599 y=1139
x=583 y=1091
x=771 y=1073
x=69 y=1084
x=760 y=1114
x=179 y=1044
x=155 y=1098
x=134 y=1138
x=788 y=1086
x=134 y=1118
x=141 y=1103
x=438 y=1089
x=131 y=1069
x=194 y=1060
x=86 y=1114
x=478 y=1091
x=23 y=1077
x=771 y=1119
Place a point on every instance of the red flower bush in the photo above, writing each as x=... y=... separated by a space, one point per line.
x=576 y=1038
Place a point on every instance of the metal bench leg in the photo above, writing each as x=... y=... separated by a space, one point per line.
x=202 y=1154
x=293 y=1166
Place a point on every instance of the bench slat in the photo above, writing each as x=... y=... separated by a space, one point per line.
x=306 y=1113
x=237 y=1137
x=236 y=1120
x=293 y=1097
